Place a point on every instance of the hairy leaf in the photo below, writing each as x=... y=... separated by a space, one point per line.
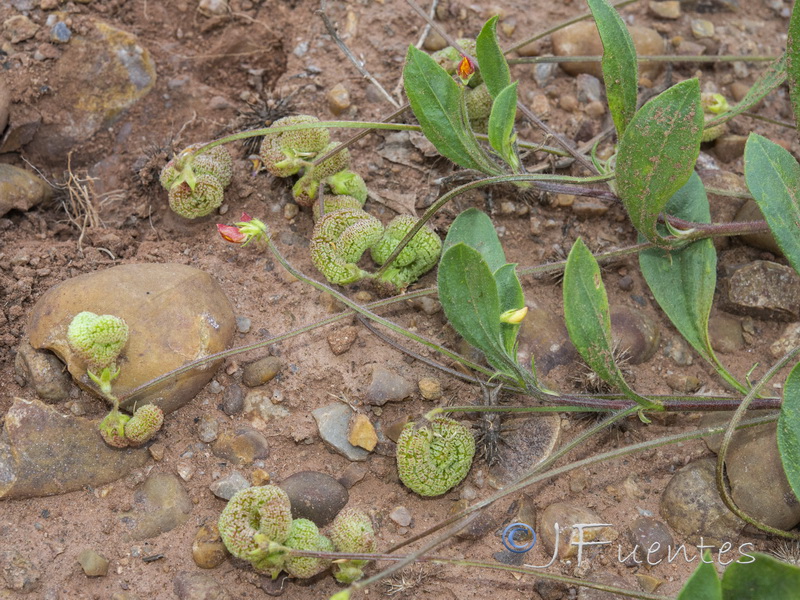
x=764 y=578
x=492 y=63
x=789 y=429
x=793 y=61
x=475 y=229
x=501 y=125
x=704 y=584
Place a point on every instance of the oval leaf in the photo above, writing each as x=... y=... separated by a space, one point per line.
x=793 y=61
x=501 y=125
x=657 y=154
x=765 y=578
x=475 y=229
x=704 y=584
x=620 y=70
x=492 y=63
x=436 y=100
x=589 y=321
x=773 y=177
x=789 y=430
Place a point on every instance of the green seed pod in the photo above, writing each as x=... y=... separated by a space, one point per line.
x=348 y=183
x=479 y=103
x=144 y=424
x=352 y=532
x=305 y=189
x=332 y=203
x=433 y=458
x=203 y=200
x=97 y=338
x=304 y=535
x=275 y=160
x=252 y=518
x=303 y=141
x=217 y=162
x=417 y=258
x=712 y=133
x=112 y=428
x=339 y=240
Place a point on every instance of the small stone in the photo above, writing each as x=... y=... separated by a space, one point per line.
x=789 y=339
x=725 y=333
x=651 y=540
x=198 y=586
x=702 y=28
x=430 y=388
x=595 y=109
x=243 y=447
x=157 y=451
x=589 y=208
x=729 y=147
x=261 y=371
x=362 y=433
x=691 y=505
x=290 y=211
x=260 y=477
x=635 y=334
x=185 y=470
x=479 y=527
x=671 y=9
x=19 y=28
x=544 y=73
x=93 y=563
x=243 y=324
x=160 y=504
x=354 y=473
x=565 y=516
x=228 y=486
x=233 y=400
x=207 y=428
x=763 y=290
x=43 y=371
x=20 y=189
x=544 y=336
x=679 y=351
x=338 y=99
x=568 y=102
x=428 y=305
x=333 y=422
x=342 y=339
x=648 y=583
x=387 y=386
x=763 y=241
x=739 y=90
x=540 y=106
x=683 y=384
x=18 y=572
x=590 y=88
x=208 y=550
x=395 y=428
x=401 y=516
x=60 y=33
x=315 y=496
x=213 y=7
x=434 y=41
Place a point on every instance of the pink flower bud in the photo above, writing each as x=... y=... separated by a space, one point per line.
x=231 y=233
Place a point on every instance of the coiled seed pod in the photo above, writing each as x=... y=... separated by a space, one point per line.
x=304 y=535
x=352 y=532
x=97 y=338
x=203 y=200
x=332 y=203
x=144 y=424
x=417 y=258
x=305 y=189
x=338 y=242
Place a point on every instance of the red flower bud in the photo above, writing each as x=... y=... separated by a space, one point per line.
x=231 y=233
x=465 y=69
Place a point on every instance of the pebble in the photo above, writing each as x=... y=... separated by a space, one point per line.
x=243 y=447
x=526 y=443
x=260 y=477
x=233 y=400
x=590 y=88
x=430 y=388
x=5 y=104
x=342 y=339
x=589 y=208
x=428 y=305
x=333 y=422
x=208 y=549
x=566 y=515
x=544 y=73
x=43 y=371
x=156 y=297
x=18 y=571
x=213 y=7
x=636 y=334
x=207 y=428
x=691 y=505
x=730 y=147
x=540 y=106
x=338 y=99
x=434 y=42
x=683 y=384
x=185 y=470
x=582 y=39
x=198 y=586
x=725 y=333
x=60 y=33
x=354 y=473
x=480 y=526
x=568 y=102
x=749 y=211
x=229 y=485
x=43 y=452
x=544 y=336
x=739 y=90
x=401 y=515
x=789 y=339
x=595 y=109
x=763 y=290
x=701 y=28
x=669 y=9
x=653 y=540
x=315 y=496
x=758 y=482
x=679 y=351
x=261 y=371
x=160 y=504
x=265 y=404
x=93 y=563
x=19 y=28
x=362 y=432
x=243 y=324
x=387 y=386
x=21 y=189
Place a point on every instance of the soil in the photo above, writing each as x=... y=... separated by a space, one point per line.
x=216 y=74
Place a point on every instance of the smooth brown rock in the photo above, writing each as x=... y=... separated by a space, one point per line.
x=242 y=447
x=198 y=586
x=582 y=39
x=261 y=371
x=725 y=333
x=21 y=189
x=315 y=496
x=208 y=550
x=43 y=452
x=160 y=504
x=635 y=334
x=93 y=563
x=387 y=386
x=544 y=336
x=43 y=371
x=175 y=314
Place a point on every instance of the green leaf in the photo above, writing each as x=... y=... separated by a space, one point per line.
x=509 y=291
x=620 y=70
x=657 y=154
x=491 y=61
x=470 y=300
x=773 y=177
x=789 y=429
x=765 y=578
x=437 y=102
x=770 y=79
x=683 y=280
x=475 y=229
x=793 y=61
x=704 y=584
x=589 y=321
x=501 y=125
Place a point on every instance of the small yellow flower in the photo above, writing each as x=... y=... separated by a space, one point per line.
x=514 y=316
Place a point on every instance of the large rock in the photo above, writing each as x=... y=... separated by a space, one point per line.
x=43 y=452
x=160 y=504
x=763 y=290
x=98 y=77
x=175 y=314
x=21 y=189
x=582 y=39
